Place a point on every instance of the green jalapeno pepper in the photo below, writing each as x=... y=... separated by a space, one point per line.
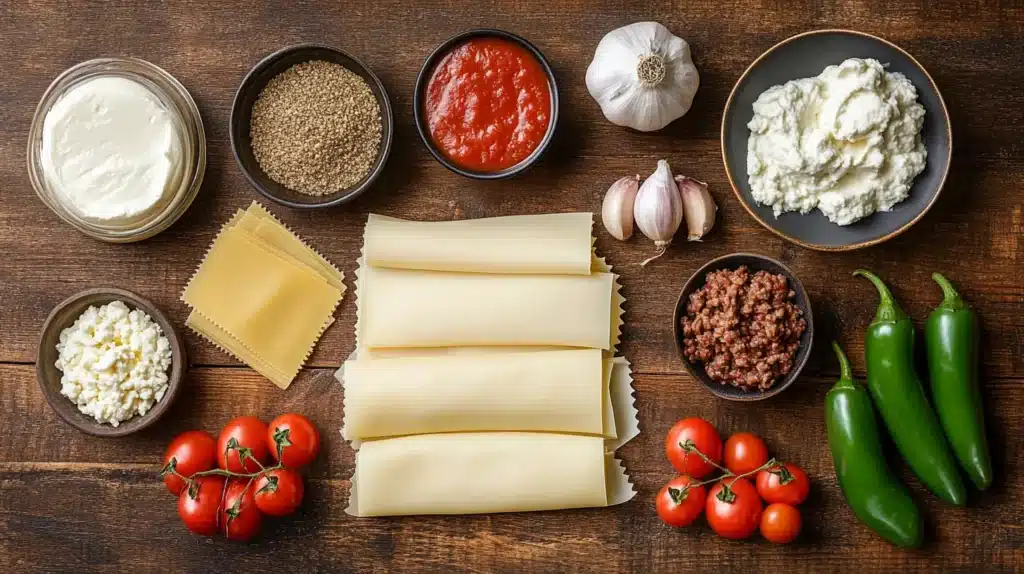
x=901 y=400
x=951 y=337
x=876 y=496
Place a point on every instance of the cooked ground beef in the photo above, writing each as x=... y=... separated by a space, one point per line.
x=744 y=328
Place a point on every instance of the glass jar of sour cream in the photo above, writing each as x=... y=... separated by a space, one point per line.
x=117 y=149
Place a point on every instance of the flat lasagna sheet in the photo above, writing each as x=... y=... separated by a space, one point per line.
x=473 y=473
x=400 y=308
x=555 y=391
x=556 y=243
x=248 y=293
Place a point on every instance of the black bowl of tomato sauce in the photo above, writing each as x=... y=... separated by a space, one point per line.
x=486 y=104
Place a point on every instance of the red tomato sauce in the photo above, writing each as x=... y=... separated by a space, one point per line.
x=488 y=104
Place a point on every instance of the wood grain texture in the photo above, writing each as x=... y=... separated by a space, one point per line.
x=44 y=476
x=69 y=502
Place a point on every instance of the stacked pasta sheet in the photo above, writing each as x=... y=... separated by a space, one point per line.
x=484 y=377
x=263 y=295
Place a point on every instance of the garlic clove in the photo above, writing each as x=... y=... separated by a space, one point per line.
x=617 y=209
x=658 y=209
x=699 y=208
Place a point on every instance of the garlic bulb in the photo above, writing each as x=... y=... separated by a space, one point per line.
x=699 y=208
x=658 y=209
x=642 y=76
x=617 y=209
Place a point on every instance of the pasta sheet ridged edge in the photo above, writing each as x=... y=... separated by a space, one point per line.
x=231 y=223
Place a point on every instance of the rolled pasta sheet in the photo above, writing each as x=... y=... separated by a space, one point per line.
x=400 y=308
x=473 y=473
x=548 y=391
x=556 y=243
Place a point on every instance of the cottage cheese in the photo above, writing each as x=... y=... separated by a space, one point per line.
x=847 y=142
x=114 y=363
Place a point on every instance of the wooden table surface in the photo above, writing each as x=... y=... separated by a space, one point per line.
x=70 y=502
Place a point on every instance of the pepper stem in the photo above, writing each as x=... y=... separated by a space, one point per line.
x=845 y=372
x=888 y=310
x=950 y=298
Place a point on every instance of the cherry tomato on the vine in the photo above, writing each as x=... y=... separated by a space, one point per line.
x=745 y=452
x=297 y=438
x=689 y=434
x=278 y=492
x=733 y=508
x=242 y=434
x=240 y=518
x=780 y=523
x=786 y=483
x=199 y=506
x=190 y=452
x=678 y=503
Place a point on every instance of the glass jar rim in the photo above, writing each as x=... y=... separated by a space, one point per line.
x=175 y=97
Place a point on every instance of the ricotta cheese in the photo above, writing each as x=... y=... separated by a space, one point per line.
x=847 y=142
x=114 y=363
x=111 y=149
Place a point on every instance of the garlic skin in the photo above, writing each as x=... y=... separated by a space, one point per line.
x=617 y=209
x=642 y=76
x=658 y=209
x=699 y=208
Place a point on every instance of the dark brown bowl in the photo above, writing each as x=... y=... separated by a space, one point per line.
x=241 y=115
x=62 y=317
x=421 y=87
x=755 y=263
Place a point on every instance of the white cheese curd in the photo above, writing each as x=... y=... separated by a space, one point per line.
x=111 y=149
x=847 y=142
x=114 y=362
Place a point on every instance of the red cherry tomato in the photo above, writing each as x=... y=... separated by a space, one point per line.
x=786 y=483
x=733 y=508
x=693 y=433
x=240 y=518
x=242 y=433
x=199 y=508
x=190 y=452
x=679 y=504
x=296 y=436
x=780 y=523
x=745 y=452
x=278 y=492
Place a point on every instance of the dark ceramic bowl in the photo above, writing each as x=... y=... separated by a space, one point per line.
x=421 y=87
x=241 y=114
x=807 y=55
x=62 y=317
x=754 y=263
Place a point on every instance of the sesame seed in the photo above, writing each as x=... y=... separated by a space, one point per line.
x=316 y=128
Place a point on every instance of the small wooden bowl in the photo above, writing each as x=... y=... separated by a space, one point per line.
x=241 y=115
x=62 y=317
x=754 y=263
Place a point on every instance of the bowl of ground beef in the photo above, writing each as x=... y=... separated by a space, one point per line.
x=743 y=326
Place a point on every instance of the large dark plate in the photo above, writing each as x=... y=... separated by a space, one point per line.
x=807 y=55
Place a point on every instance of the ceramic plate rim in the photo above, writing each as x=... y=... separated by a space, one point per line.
x=851 y=246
